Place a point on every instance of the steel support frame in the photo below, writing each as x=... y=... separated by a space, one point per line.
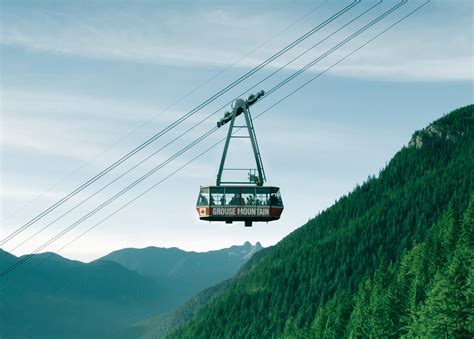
x=241 y=104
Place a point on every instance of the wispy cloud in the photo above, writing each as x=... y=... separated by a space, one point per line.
x=421 y=49
x=50 y=136
x=33 y=102
x=27 y=193
x=53 y=123
x=77 y=126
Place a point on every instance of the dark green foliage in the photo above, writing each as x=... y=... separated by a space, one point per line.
x=372 y=264
x=434 y=302
x=448 y=304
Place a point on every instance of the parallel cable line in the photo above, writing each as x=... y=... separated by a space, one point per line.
x=314 y=46
x=345 y=57
x=23 y=259
x=180 y=120
x=351 y=37
x=191 y=128
x=164 y=110
x=207 y=150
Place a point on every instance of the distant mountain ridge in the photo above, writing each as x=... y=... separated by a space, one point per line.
x=62 y=298
x=182 y=274
x=158 y=262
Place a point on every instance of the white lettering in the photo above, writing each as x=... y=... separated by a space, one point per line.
x=241 y=211
x=226 y=211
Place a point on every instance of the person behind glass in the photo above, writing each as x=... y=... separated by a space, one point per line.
x=250 y=200
x=273 y=200
x=203 y=199
x=234 y=200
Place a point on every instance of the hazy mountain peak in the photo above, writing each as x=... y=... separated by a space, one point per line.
x=244 y=251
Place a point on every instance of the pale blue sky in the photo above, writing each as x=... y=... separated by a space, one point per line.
x=76 y=77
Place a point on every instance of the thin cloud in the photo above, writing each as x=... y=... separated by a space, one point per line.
x=55 y=123
x=33 y=102
x=164 y=37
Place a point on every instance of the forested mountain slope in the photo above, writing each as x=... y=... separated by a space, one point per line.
x=428 y=294
x=400 y=232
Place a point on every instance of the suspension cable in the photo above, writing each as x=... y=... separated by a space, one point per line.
x=351 y=37
x=189 y=129
x=207 y=150
x=195 y=142
x=146 y=123
x=180 y=120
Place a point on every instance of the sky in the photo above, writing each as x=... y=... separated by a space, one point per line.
x=83 y=83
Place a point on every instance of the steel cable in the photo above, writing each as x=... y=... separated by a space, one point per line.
x=191 y=128
x=207 y=150
x=23 y=259
x=179 y=100
x=178 y=121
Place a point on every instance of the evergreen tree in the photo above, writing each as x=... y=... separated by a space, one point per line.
x=358 y=324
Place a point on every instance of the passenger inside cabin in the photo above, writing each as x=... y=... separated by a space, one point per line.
x=234 y=200
x=250 y=200
x=273 y=200
x=203 y=199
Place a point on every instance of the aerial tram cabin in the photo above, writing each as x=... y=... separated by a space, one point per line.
x=248 y=201
x=240 y=203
